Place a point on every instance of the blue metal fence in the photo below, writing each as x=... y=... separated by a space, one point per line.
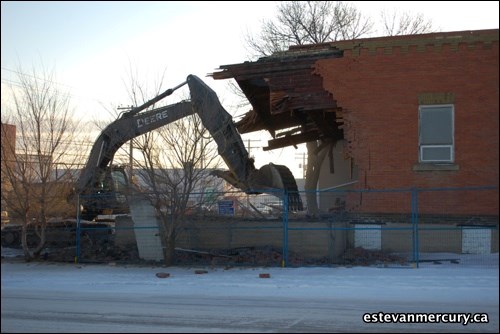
x=404 y=227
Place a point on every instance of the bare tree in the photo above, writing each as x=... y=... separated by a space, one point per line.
x=315 y=156
x=37 y=163
x=397 y=23
x=175 y=165
x=308 y=22
x=176 y=161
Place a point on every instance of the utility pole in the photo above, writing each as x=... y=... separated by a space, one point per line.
x=303 y=165
x=249 y=148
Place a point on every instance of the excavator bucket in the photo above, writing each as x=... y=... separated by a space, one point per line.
x=276 y=180
x=273 y=176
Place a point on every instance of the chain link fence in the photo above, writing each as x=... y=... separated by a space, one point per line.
x=395 y=227
x=398 y=227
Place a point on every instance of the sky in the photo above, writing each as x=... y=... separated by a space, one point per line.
x=94 y=47
x=64 y=297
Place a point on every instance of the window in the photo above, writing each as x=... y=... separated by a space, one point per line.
x=436 y=142
x=119 y=180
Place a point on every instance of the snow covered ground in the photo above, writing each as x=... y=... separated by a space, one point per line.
x=57 y=297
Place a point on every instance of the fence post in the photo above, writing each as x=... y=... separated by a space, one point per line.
x=284 y=261
x=417 y=243
x=414 y=224
x=77 y=232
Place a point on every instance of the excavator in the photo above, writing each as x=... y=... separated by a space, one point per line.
x=102 y=187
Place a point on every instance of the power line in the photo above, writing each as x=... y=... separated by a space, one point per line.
x=35 y=77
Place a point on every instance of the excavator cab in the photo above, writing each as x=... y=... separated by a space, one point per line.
x=108 y=195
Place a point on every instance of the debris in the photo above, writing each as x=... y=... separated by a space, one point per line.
x=366 y=257
x=200 y=272
x=162 y=275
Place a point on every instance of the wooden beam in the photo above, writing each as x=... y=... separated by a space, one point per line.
x=291 y=140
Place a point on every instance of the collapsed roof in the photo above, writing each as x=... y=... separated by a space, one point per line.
x=288 y=99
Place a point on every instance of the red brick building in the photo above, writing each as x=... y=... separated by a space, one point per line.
x=8 y=144
x=417 y=111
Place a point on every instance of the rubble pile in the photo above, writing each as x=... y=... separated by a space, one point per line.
x=104 y=250
x=245 y=256
x=364 y=257
x=249 y=256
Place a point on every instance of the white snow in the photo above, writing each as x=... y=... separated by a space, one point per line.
x=310 y=299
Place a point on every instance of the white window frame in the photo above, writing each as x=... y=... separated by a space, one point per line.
x=451 y=146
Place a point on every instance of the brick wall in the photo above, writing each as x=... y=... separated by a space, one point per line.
x=8 y=137
x=378 y=83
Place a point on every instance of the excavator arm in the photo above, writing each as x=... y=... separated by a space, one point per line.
x=204 y=102
x=242 y=172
